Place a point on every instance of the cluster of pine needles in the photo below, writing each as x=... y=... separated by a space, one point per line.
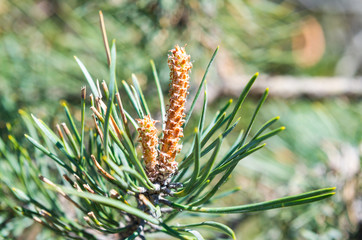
x=128 y=179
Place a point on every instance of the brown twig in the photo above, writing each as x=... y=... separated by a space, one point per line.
x=120 y=106
x=105 y=39
x=59 y=190
x=109 y=176
x=100 y=133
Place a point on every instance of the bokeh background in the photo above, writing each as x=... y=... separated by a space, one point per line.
x=309 y=52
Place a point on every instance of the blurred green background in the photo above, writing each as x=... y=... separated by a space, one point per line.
x=297 y=38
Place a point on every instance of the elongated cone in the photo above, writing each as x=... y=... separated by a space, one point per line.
x=180 y=66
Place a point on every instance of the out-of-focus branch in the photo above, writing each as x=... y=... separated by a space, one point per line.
x=294 y=87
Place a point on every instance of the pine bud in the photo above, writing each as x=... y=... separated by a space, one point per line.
x=149 y=141
x=180 y=66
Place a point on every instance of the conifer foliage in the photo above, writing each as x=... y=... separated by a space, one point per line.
x=122 y=178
